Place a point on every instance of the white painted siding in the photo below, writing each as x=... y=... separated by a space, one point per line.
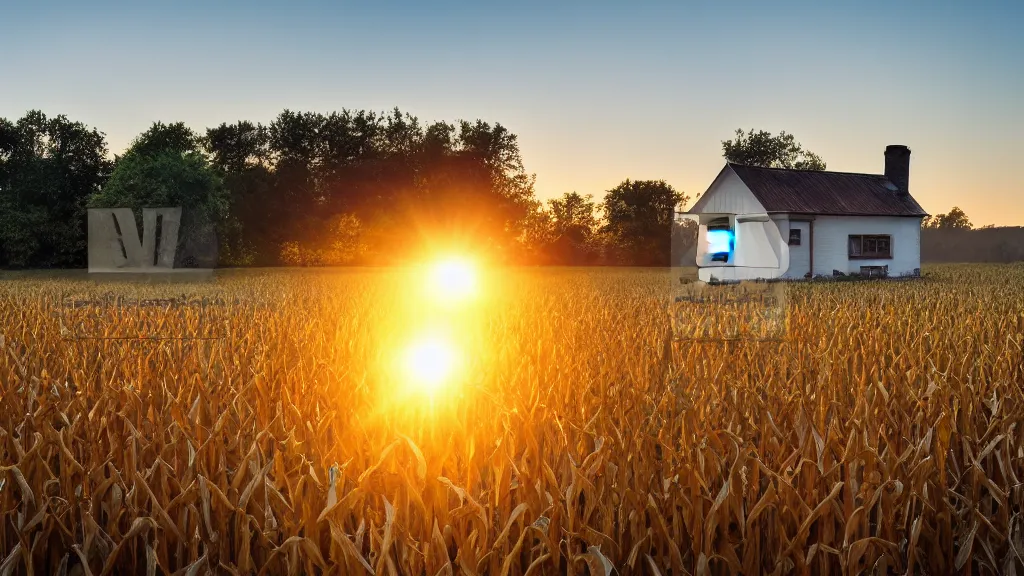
x=728 y=195
x=831 y=239
x=799 y=256
x=831 y=252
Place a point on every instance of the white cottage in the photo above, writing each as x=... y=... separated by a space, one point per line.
x=777 y=223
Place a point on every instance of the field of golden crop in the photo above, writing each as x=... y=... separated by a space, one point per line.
x=274 y=430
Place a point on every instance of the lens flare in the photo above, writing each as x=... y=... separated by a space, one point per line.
x=453 y=279
x=429 y=363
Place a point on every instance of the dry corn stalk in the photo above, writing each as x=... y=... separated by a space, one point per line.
x=884 y=435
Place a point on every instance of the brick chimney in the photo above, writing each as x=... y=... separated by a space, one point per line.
x=897 y=166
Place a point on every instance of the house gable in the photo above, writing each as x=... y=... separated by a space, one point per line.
x=727 y=195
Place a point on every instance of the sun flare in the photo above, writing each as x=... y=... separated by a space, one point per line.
x=429 y=363
x=453 y=279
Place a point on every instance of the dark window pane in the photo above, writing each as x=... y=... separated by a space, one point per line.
x=870 y=246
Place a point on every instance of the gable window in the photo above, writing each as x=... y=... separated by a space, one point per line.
x=865 y=246
x=794 y=236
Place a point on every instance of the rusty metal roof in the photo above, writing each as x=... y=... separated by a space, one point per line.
x=820 y=192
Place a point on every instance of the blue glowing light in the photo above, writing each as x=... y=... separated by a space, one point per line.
x=719 y=241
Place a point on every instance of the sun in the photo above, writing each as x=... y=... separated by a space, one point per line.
x=429 y=363
x=453 y=279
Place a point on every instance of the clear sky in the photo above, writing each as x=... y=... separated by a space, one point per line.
x=597 y=92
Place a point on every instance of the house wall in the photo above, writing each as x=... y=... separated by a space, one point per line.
x=782 y=222
x=799 y=256
x=831 y=237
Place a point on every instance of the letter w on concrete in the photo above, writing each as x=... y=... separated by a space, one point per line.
x=114 y=243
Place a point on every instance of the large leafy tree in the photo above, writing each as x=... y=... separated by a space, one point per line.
x=498 y=150
x=639 y=216
x=235 y=148
x=48 y=169
x=764 y=149
x=163 y=138
x=956 y=219
x=313 y=181
x=574 y=216
x=409 y=185
x=537 y=236
x=164 y=179
x=164 y=167
x=241 y=153
x=573 y=224
x=475 y=188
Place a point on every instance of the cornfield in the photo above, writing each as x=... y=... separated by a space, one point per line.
x=268 y=431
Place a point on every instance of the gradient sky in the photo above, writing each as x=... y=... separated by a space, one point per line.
x=596 y=92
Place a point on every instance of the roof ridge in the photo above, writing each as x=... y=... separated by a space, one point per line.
x=792 y=190
x=806 y=170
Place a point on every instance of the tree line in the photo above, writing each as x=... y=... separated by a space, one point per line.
x=366 y=188
x=314 y=189
x=951 y=237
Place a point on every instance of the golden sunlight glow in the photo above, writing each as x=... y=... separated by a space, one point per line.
x=453 y=279
x=429 y=363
